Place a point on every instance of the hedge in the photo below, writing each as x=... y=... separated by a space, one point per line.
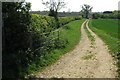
x=32 y=40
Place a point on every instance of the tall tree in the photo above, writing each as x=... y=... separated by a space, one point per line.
x=54 y=6
x=86 y=9
x=16 y=19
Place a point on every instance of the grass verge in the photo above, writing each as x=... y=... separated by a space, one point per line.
x=71 y=35
x=112 y=42
x=92 y=39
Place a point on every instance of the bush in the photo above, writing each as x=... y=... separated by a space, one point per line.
x=66 y=27
x=26 y=37
x=112 y=15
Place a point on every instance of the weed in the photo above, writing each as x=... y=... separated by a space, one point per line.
x=88 y=57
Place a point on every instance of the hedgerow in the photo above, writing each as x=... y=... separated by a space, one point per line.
x=27 y=39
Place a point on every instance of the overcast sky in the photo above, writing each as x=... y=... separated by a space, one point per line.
x=75 y=5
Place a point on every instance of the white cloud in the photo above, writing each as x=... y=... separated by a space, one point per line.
x=75 y=5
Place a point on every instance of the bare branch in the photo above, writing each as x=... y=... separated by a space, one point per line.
x=54 y=5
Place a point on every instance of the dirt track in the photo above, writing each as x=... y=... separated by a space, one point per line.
x=85 y=61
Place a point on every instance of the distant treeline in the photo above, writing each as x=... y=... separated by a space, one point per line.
x=95 y=15
x=60 y=14
x=107 y=15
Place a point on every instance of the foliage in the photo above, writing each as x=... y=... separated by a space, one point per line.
x=27 y=38
x=113 y=15
x=16 y=19
x=66 y=20
x=70 y=41
x=96 y=15
x=54 y=7
x=39 y=24
x=86 y=9
x=67 y=42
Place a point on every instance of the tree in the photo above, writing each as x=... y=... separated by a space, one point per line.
x=54 y=6
x=96 y=15
x=86 y=9
x=16 y=19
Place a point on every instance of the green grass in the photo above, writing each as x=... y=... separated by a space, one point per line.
x=71 y=35
x=88 y=57
x=105 y=33
x=110 y=26
x=92 y=39
x=107 y=30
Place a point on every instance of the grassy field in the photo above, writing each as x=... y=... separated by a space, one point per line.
x=71 y=33
x=109 y=26
x=107 y=30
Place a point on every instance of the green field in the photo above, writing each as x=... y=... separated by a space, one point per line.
x=107 y=30
x=110 y=26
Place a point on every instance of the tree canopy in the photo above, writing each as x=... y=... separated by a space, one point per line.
x=86 y=9
x=54 y=6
